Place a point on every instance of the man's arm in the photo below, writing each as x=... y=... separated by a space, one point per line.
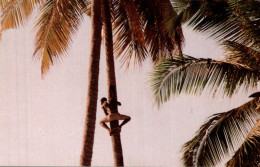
x=105 y=111
x=105 y=108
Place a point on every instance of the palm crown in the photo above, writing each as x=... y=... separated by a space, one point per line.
x=153 y=29
x=141 y=28
x=227 y=21
x=235 y=24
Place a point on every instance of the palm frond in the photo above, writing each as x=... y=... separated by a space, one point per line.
x=247 y=16
x=3 y=3
x=16 y=12
x=233 y=20
x=128 y=32
x=191 y=75
x=142 y=27
x=58 y=21
x=188 y=8
x=207 y=15
x=242 y=54
x=87 y=8
x=173 y=27
x=163 y=32
x=179 y=5
x=249 y=152
x=221 y=135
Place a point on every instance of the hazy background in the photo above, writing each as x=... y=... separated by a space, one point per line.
x=41 y=121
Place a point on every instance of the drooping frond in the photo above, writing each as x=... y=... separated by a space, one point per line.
x=188 y=8
x=128 y=32
x=146 y=28
x=207 y=15
x=191 y=75
x=221 y=135
x=249 y=152
x=87 y=8
x=233 y=20
x=242 y=54
x=3 y=3
x=58 y=21
x=15 y=12
x=163 y=32
x=173 y=24
x=247 y=16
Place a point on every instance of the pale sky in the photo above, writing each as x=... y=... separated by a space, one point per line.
x=41 y=121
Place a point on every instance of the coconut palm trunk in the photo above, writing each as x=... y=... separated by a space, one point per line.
x=111 y=81
x=88 y=139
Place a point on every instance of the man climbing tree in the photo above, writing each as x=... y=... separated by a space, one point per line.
x=109 y=107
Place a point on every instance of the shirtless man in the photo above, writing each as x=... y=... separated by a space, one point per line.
x=109 y=108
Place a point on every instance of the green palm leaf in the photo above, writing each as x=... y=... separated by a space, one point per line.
x=247 y=16
x=249 y=152
x=242 y=54
x=191 y=75
x=221 y=135
x=16 y=12
x=58 y=20
x=233 y=20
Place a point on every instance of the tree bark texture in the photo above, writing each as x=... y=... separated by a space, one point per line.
x=111 y=81
x=90 y=119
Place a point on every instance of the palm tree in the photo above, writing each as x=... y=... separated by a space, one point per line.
x=111 y=80
x=59 y=20
x=224 y=132
x=237 y=130
x=89 y=131
x=126 y=14
x=235 y=24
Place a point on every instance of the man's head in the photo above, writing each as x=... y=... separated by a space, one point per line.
x=103 y=100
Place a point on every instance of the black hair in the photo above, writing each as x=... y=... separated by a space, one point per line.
x=103 y=100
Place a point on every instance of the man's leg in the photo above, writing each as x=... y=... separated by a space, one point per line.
x=125 y=119
x=104 y=125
